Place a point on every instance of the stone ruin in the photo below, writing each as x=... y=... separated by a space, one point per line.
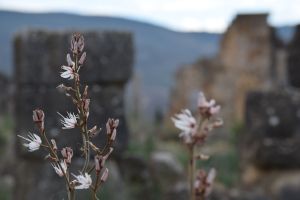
x=38 y=57
x=251 y=57
x=255 y=77
x=273 y=133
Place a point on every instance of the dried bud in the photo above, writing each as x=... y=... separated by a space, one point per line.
x=77 y=43
x=218 y=123
x=96 y=149
x=111 y=125
x=67 y=154
x=104 y=175
x=93 y=132
x=85 y=92
x=113 y=135
x=99 y=163
x=108 y=153
x=86 y=104
x=207 y=108
x=82 y=58
x=203 y=182
x=202 y=157
x=38 y=117
x=63 y=88
x=50 y=158
x=53 y=144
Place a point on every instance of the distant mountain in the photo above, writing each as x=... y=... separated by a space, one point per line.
x=159 y=51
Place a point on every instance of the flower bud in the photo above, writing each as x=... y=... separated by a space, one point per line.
x=50 y=158
x=96 y=149
x=82 y=58
x=38 y=118
x=113 y=135
x=202 y=157
x=108 y=153
x=67 y=154
x=99 y=163
x=218 y=123
x=54 y=146
x=77 y=43
x=111 y=125
x=104 y=175
x=86 y=104
x=85 y=92
x=93 y=132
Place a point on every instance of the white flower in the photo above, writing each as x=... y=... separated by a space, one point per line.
x=60 y=170
x=186 y=123
x=68 y=73
x=84 y=181
x=70 y=121
x=207 y=108
x=34 y=142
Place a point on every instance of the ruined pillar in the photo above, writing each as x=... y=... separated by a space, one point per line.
x=272 y=139
x=293 y=60
x=38 y=58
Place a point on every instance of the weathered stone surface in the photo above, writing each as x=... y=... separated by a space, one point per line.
x=273 y=129
x=169 y=174
x=39 y=56
x=138 y=180
x=294 y=59
x=250 y=58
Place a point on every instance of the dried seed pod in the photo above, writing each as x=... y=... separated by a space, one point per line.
x=77 y=43
x=67 y=154
x=104 y=175
x=54 y=146
x=93 y=132
x=82 y=58
x=38 y=118
x=99 y=163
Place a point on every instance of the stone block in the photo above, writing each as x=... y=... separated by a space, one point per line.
x=272 y=138
x=293 y=59
x=39 y=56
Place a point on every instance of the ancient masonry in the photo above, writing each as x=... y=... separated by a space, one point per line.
x=38 y=57
x=250 y=58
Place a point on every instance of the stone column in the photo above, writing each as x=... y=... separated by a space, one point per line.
x=293 y=59
x=38 y=57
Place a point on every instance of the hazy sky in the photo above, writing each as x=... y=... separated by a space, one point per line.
x=191 y=15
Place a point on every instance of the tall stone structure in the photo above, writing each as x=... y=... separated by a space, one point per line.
x=294 y=59
x=38 y=57
x=246 y=53
x=251 y=57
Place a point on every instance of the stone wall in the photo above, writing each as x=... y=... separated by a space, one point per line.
x=251 y=57
x=294 y=59
x=38 y=57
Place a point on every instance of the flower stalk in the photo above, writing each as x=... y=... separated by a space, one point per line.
x=61 y=163
x=193 y=134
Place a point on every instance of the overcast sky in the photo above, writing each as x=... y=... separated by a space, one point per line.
x=183 y=15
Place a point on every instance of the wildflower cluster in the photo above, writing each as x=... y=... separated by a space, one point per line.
x=61 y=158
x=194 y=133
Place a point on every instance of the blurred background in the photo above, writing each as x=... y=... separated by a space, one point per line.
x=147 y=60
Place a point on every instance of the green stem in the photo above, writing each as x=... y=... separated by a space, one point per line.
x=191 y=171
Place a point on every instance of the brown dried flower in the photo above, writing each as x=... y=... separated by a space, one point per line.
x=38 y=118
x=67 y=154
x=77 y=43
